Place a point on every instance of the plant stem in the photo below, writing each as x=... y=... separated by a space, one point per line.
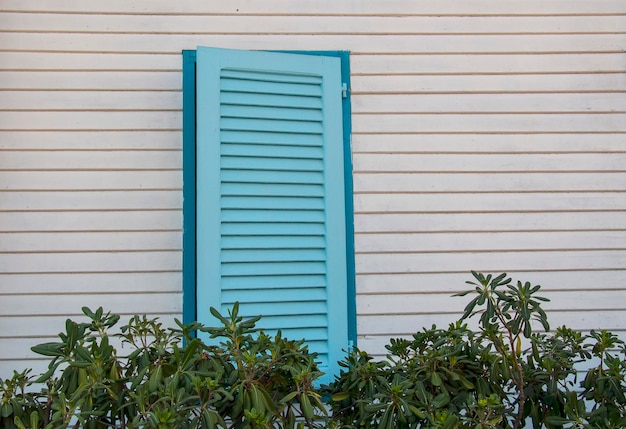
x=519 y=380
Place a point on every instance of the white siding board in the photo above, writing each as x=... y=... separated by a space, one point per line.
x=372 y=163
x=497 y=144
x=17 y=351
x=383 y=43
x=224 y=24
x=326 y=7
x=50 y=326
x=452 y=282
x=79 y=241
x=578 y=103
x=440 y=303
x=103 y=283
x=484 y=242
x=87 y=262
x=98 y=120
x=360 y=64
x=512 y=63
x=105 y=203
x=489 y=202
x=491 y=122
x=76 y=160
x=48 y=61
x=496 y=222
x=132 y=80
x=490 y=182
x=522 y=142
x=491 y=261
x=88 y=140
x=402 y=44
x=490 y=84
x=90 y=100
x=92 y=180
x=93 y=220
x=71 y=304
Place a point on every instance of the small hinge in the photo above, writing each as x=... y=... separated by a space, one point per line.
x=344 y=90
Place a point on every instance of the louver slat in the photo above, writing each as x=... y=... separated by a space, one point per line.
x=270 y=194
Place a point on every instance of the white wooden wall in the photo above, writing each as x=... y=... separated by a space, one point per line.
x=487 y=135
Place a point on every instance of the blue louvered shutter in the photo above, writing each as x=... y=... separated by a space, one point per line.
x=270 y=194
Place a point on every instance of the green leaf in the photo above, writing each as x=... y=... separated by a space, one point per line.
x=338 y=397
x=49 y=349
x=441 y=400
x=6 y=410
x=419 y=413
x=435 y=379
x=556 y=420
x=307 y=408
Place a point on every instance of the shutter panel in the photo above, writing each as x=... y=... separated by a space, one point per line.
x=270 y=194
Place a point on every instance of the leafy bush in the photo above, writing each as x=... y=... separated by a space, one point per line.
x=505 y=374
x=169 y=380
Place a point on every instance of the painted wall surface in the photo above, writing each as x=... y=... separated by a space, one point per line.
x=487 y=135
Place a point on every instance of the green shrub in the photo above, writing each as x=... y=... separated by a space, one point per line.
x=169 y=380
x=505 y=374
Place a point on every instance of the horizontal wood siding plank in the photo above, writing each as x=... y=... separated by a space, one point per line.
x=90 y=283
x=454 y=281
x=82 y=120
x=490 y=261
x=53 y=80
x=503 y=221
x=493 y=123
x=480 y=142
x=51 y=326
x=488 y=202
x=38 y=242
x=98 y=219
x=492 y=182
x=579 y=103
x=484 y=63
x=93 y=180
x=483 y=242
x=467 y=162
x=223 y=24
x=91 y=100
x=360 y=43
x=106 y=201
x=71 y=304
x=89 y=140
x=80 y=262
x=441 y=303
x=360 y=64
x=103 y=160
x=49 y=61
x=488 y=84
x=350 y=7
x=531 y=202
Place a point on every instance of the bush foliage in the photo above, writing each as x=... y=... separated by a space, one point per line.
x=510 y=371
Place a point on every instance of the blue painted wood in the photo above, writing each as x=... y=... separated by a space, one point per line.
x=270 y=195
x=344 y=57
x=189 y=186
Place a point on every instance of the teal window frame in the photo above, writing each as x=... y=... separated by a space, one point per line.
x=189 y=186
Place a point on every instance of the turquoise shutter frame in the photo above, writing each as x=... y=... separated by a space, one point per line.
x=270 y=194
